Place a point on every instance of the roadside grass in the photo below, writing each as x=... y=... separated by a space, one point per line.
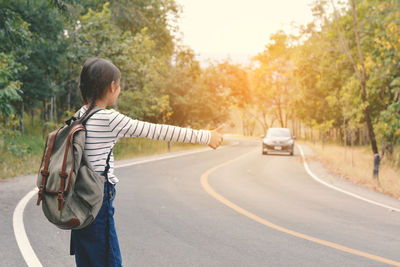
x=138 y=147
x=12 y=165
x=356 y=164
x=21 y=155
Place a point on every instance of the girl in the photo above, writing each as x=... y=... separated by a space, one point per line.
x=97 y=244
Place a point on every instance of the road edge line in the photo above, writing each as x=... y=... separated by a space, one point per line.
x=162 y=157
x=20 y=234
x=308 y=170
x=206 y=186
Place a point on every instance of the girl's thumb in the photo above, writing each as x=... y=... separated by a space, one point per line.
x=220 y=128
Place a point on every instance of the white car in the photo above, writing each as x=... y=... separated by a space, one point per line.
x=278 y=140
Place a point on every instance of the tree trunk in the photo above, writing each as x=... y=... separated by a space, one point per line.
x=69 y=100
x=344 y=135
x=293 y=127
x=300 y=129
x=272 y=122
x=243 y=125
x=362 y=77
x=364 y=90
x=21 y=125
x=280 y=114
x=51 y=109
x=265 y=123
x=43 y=116
x=352 y=147
x=55 y=110
x=286 y=119
x=33 y=115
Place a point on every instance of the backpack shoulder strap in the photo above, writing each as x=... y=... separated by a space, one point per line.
x=73 y=118
x=87 y=116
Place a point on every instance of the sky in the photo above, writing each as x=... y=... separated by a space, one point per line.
x=238 y=29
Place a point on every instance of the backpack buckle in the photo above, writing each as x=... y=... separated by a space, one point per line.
x=70 y=120
x=44 y=172
x=60 y=199
x=40 y=194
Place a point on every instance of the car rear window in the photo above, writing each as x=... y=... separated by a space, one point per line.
x=273 y=132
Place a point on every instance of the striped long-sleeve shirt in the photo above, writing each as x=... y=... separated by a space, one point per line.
x=105 y=127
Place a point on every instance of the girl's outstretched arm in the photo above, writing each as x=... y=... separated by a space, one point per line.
x=122 y=126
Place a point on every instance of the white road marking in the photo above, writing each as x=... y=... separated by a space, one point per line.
x=18 y=217
x=160 y=158
x=170 y=156
x=339 y=189
x=19 y=231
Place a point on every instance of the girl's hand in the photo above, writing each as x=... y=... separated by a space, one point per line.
x=216 y=137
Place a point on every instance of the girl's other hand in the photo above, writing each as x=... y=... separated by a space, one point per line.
x=216 y=137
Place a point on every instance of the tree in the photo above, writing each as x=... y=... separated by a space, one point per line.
x=273 y=84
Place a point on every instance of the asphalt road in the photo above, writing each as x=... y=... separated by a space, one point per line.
x=165 y=217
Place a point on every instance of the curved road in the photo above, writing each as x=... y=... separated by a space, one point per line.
x=165 y=217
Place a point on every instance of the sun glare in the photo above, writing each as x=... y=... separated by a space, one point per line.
x=238 y=29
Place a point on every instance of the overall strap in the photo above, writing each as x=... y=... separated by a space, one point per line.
x=107 y=165
x=108 y=206
x=85 y=116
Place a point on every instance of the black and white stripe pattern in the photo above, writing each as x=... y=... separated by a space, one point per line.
x=105 y=127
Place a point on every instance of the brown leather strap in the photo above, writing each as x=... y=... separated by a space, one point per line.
x=72 y=223
x=63 y=174
x=51 y=192
x=71 y=133
x=53 y=138
x=45 y=172
x=73 y=156
x=40 y=193
x=44 y=152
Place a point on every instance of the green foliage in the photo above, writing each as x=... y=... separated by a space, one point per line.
x=390 y=123
x=309 y=77
x=12 y=143
x=15 y=36
x=45 y=42
x=142 y=69
x=330 y=75
x=9 y=90
x=184 y=76
x=273 y=84
x=323 y=69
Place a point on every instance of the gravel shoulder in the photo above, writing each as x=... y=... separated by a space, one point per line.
x=319 y=170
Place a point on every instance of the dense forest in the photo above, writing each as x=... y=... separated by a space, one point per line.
x=338 y=80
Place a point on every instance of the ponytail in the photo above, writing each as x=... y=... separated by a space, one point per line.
x=96 y=77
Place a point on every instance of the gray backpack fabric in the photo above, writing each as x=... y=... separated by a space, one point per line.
x=70 y=190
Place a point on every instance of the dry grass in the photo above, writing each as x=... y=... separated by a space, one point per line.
x=356 y=165
x=12 y=166
x=15 y=165
x=138 y=147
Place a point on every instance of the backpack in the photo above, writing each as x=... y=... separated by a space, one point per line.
x=70 y=190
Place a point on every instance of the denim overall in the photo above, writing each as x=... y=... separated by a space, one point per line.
x=97 y=244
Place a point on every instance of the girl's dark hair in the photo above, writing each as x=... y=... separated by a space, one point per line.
x=96 y=76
